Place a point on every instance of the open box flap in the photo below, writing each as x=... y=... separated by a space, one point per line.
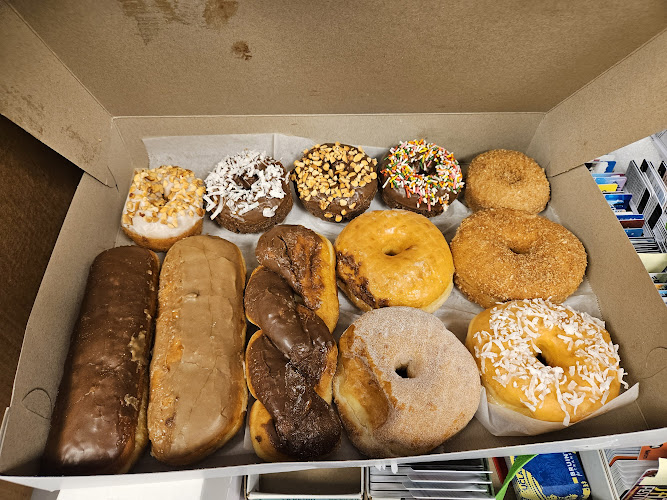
x=223 y=57
x=625 y=104
x=39 y=93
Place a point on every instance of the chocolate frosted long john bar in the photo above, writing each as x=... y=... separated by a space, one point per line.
x=98 y=425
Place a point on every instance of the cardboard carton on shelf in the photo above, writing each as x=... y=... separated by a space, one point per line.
x=93 y=81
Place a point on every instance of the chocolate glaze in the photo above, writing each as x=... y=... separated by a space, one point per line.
x=95 y=419
x=397 y=198
x=357 y=284
x=285 y=364
x=360 y=199
x=254 y=220
x=294 y=253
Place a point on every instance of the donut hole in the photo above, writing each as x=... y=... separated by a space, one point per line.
x=393 y=251
x=511 y=176
x=542 y=360
x=519 y=250
x=403 y=370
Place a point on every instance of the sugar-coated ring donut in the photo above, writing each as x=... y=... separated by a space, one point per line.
x=335 y=182
x=503 y=254
x=501 y=178
x=404 y=383
x=421 y=177
x=394 y=258
x=578 y=372
x=164 y=205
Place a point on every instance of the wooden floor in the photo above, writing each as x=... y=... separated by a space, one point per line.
x=38 y=186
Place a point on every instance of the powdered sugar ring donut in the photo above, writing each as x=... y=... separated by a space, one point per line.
x=164 y=205
x=544 y=360
x=404 y=383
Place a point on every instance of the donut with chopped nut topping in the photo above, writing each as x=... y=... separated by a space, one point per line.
x=335 y=182
x=248 y=192
x=164 y=205
x=545 y=361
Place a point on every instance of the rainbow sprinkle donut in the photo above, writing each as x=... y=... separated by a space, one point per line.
x=421 y=177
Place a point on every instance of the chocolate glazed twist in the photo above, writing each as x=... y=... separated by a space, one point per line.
x=286 y=361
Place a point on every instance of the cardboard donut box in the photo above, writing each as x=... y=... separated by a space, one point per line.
x=92 y=80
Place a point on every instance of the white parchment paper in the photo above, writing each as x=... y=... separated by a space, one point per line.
x=201 y=153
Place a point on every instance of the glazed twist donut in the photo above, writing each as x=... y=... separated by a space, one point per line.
x=291 y=360
x=545 y=360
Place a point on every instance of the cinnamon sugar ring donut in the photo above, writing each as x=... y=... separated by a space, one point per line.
x=335 y=182
x=164 y=205
x=545 y=361
x=404 y=383
x=421 y=177
x=506 y=179
x=502 y=254
x=248 y=192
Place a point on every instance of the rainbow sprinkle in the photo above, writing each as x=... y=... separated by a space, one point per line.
x=406 y=169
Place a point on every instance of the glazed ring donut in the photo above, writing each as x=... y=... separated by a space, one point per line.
x=335 y=182
x=404 y=383
x=502 y=254
x=248 y=192
x=578 y=372
x=421 y=177
x=506 y=179
x=164 y=205
x=394 y=258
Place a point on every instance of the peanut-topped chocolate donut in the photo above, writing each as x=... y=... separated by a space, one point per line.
x=248 y=192
x=335 y=182
x=421 y=177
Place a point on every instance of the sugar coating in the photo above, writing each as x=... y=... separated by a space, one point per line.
x=504 y=254
x=442 y=393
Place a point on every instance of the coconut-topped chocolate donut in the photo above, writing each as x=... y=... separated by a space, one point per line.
x=421 y=177
x=248 y=192
x=335 y=181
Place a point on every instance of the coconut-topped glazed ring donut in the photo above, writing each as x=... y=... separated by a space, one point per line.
x=421 y=177
x=545 y=361
x=164 y=205
x=506 y=179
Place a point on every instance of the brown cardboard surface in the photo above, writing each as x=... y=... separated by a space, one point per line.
x=88 y=229
x=623 y=105
x=213 y=57
x=312 y=482
x=43 y=97
x=28 y=232
x=635 y=315
x=465 y=134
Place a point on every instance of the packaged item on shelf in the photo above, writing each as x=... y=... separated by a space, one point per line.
x=628 y=465
x=469 y=479
x=553 y=476
x=651 y=485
